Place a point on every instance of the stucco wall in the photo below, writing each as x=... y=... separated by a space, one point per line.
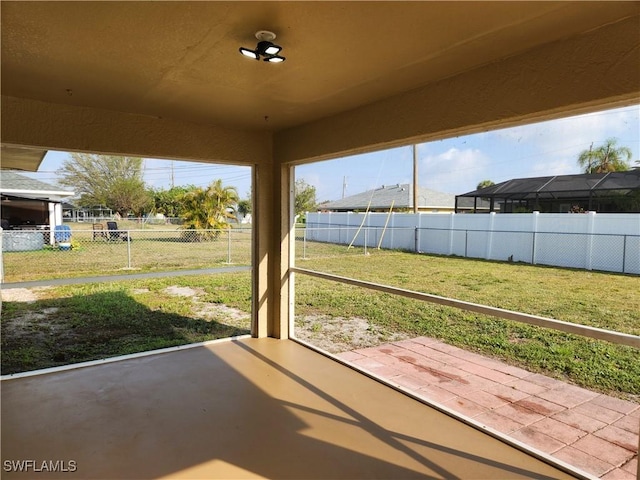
x=598 y=70
x=70 y=128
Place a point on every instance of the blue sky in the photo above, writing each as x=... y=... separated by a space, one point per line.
x=454 y=165
x=457 y=165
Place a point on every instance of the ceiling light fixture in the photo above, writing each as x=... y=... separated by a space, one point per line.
x=265 y=48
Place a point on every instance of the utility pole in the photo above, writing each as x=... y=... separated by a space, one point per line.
x=172 y=179
x=344 y=186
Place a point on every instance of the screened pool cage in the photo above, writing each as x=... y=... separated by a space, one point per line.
x=613 y=192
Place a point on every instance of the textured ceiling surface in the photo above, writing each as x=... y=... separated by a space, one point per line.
x=180 y=60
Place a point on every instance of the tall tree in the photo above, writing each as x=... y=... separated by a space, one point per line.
x=245 y=206
x=169 y=202
x=115 y=182
x=129 y=195
x=606 y=158
x=212 y=207
x=305 y=198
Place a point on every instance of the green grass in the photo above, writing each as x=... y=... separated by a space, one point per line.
x=96 y=321
x=603 y=300
x=101 y=320
x=149 y=250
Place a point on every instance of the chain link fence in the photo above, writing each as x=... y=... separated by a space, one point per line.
x=34 y=255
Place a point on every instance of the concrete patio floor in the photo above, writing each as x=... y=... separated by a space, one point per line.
x=594 y=432
x=247 y=408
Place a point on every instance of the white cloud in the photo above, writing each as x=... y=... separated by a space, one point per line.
x=454 y=171
x=566 y=138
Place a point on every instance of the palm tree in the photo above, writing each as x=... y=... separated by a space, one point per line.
x=211 y=208
x=606 y=158
x=485 y=184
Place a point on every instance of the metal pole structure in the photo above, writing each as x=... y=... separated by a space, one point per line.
x=128 y=249
x=415 y=178
x=304 y=244
x=229 y=245
x=624 y=254
x=1 y=257
x=386 y=223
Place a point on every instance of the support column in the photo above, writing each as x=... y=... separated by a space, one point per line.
x=273 y=224
x=282 y=278
x=262 y=224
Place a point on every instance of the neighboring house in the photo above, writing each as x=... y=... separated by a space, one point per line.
x=398 y=197
x=26 y=203
x=71 y=213
x=613 y=192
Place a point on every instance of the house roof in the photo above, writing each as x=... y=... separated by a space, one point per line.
x=561 y=186
x=398 y=195
x=17 y=185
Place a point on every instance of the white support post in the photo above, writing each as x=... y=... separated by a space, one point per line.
x=534 y=228
x=52 y=222
x=492 y=217
x=452 y=221
x=591 y=220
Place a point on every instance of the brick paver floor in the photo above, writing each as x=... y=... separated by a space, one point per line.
x=594 y=432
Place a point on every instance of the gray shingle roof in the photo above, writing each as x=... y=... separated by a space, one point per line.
x=14 y=181
x=401 y=196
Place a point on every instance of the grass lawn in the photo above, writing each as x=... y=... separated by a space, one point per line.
x=83 y=322
x=603 y=300
x=76 y=323
x=149 y=250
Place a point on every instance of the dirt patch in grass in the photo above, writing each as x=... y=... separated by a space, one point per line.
x=38 y=331
x=21 y=294
x=339 y=334
x=181 y=291
x=44 y=330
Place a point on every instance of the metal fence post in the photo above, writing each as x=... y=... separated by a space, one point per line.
x=535 y=217
x=624 y=254
x=128 y=249
x=304 y=244
x=228 y=245
x=1 y=257
x=466 y=244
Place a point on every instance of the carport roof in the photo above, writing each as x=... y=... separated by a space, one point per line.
x=13 y=183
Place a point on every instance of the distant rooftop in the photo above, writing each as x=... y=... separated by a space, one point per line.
x=16 y=184
x=398 y=195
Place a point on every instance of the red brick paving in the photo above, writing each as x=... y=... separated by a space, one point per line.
x=618 y=436
x=596 y=433
x=631 y=466
x=537 y=439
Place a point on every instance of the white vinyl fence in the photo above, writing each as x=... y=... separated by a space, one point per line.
x=608 y=242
